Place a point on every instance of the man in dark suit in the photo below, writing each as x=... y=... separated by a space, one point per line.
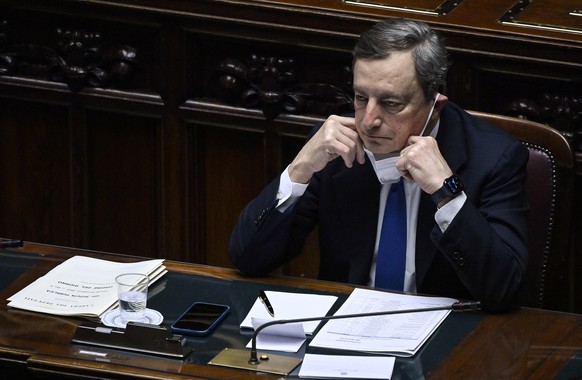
x=466 y=208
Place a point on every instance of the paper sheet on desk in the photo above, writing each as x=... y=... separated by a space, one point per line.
x=398 y=334
x=285 y=337
x=291 y=306
x=346 y=367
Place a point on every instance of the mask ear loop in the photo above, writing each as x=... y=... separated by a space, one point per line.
x=422 y=133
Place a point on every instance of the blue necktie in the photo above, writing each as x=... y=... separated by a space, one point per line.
x=391 y=260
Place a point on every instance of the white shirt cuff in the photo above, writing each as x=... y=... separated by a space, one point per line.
x=288 y=191
x=445 y=215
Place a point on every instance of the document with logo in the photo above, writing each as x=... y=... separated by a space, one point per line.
x=397 y=334
x=346 y=367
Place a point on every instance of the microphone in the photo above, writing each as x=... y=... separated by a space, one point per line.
x=283 y=365
x=457 y=306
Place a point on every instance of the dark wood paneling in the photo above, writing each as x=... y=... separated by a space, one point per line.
x=143 y=127
x=545 y=92
x=122 y=182
x=35 y=167
x=231 y=173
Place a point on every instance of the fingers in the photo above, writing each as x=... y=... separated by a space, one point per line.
x=336 y=137
x=360 y=154
x=422 y=162
x=404 y=167
x=348 y=122
x=342 y=139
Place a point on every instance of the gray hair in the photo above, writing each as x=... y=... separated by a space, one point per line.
x=430 y=54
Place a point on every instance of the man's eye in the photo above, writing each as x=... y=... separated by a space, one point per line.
x=360 y=101
x=392 y=107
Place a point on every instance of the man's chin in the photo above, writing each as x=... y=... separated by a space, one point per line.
x=382 y=152
x=381 y=156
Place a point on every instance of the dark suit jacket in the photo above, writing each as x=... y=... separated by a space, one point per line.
x=482 y=255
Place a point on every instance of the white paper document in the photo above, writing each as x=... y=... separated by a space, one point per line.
x=398 y=334
x=81 y=286
x=287 y=337
x=346 y=367
x=291 y=306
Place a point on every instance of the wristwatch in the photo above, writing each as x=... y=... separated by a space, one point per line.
x=452 y=187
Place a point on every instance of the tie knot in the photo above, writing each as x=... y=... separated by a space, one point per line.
x=398 y=184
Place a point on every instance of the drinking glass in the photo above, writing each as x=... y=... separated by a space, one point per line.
x=132 y=290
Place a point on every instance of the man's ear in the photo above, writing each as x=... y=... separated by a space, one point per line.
x=439 y=105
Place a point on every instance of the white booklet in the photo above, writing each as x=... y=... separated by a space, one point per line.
x=291 y=306
x=81 y=286
x=397 y=334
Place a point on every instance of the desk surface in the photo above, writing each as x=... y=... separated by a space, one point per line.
x=524 y=343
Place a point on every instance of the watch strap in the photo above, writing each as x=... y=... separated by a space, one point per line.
x=452 y=186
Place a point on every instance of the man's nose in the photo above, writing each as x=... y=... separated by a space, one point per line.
x=372 y=114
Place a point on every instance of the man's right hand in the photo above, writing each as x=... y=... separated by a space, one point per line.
x=336 y=137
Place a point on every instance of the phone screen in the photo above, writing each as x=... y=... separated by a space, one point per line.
x=200 y=318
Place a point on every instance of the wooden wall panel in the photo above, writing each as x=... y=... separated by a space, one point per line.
x=122 y=182
x=35 y=165
x=231 y=173
x=130 y=122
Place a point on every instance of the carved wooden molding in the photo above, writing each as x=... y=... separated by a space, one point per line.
x=271 y=84
x=79 y=59
x=562 y=112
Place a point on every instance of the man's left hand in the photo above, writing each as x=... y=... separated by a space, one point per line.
x=422 y=162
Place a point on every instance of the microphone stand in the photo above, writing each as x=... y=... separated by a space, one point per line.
x=457 y=306
x=283 y=365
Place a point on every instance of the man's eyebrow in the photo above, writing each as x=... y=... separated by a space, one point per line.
x=393 y=97
x=400 y=98
x=384 y=95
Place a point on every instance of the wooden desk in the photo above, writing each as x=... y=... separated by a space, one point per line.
x=523 y=343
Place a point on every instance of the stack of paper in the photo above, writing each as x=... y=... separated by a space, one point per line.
x=397 y=334
x=81 y=286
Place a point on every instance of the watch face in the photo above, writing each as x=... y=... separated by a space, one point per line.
x=455 y=185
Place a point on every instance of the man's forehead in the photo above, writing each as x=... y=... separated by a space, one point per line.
x=396 y=65
x=386 y=78
x=406 y=57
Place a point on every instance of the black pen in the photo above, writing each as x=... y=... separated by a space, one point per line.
x=267 y=303
x=10 y=243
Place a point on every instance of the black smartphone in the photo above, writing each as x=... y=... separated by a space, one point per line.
x=200 y=319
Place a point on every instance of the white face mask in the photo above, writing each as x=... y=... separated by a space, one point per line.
x=386 y=168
